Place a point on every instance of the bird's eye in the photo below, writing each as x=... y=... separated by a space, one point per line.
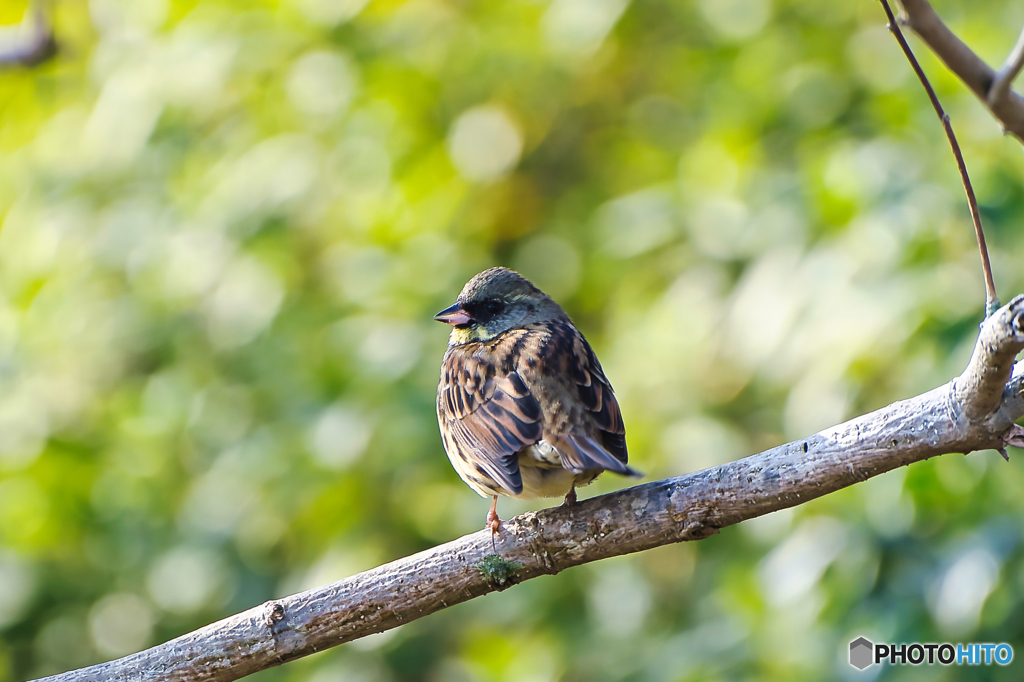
x=493 y=307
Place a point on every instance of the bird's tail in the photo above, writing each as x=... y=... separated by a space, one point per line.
x=579 y=452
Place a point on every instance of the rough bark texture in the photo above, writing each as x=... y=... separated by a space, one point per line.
x=973 y=412
x=991 y=88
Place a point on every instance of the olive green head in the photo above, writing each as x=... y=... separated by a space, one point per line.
x=494 y=302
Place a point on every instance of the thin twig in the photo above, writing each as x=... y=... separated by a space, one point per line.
x=991 y=300
x=1004 y=79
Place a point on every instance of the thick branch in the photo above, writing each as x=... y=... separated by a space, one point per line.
x=980 y=389
x=688 y=507
x=1007 y=107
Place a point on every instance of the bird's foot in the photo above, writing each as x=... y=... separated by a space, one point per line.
x=570 y=498
x=493 y=522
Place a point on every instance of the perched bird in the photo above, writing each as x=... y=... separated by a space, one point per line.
x=523 y=405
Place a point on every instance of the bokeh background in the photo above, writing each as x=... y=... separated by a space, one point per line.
x=226 y=225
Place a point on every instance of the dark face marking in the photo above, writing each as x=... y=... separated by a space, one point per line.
x=484 y=311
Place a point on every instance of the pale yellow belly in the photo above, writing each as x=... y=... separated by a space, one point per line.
x=541 y=469
x=543 y=475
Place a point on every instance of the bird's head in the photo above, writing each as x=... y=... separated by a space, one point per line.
x=494 y=302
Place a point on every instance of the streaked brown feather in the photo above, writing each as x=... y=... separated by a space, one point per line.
x=497 y=398
x=595 y=392
x=488 y=418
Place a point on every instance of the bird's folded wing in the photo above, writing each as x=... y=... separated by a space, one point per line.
x=595 y=394
x=490 y=418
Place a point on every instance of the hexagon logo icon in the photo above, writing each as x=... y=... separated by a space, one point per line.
x=861 y=653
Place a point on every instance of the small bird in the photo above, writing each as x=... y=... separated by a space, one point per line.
x=524 y=408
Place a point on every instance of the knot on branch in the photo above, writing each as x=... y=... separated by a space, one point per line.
x=1018 y=323
x=698 y=531
x=273 y=613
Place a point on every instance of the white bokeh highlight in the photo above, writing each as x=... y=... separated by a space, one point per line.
x=961 y=592
x=484 y=143
x=188 y=579
x=243 y=304
x=736 y=20
x=322 y=83
x=578 y=28
x=17 y=587
x=121 y=624
x=339 y=436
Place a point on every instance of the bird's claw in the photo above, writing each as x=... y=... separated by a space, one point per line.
x=494 y=523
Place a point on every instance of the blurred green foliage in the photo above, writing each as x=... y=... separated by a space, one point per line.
x=225 y=228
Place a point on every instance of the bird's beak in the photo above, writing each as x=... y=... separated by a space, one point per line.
x=454 y=316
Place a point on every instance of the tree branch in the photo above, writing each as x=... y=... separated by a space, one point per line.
x=980 y=389
x=1006 y=105
x=975 y=411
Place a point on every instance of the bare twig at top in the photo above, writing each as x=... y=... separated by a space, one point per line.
x=991 y=299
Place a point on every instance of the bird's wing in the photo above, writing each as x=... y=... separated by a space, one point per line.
x=603 y=446
x=595 y=392
x=488 y=412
